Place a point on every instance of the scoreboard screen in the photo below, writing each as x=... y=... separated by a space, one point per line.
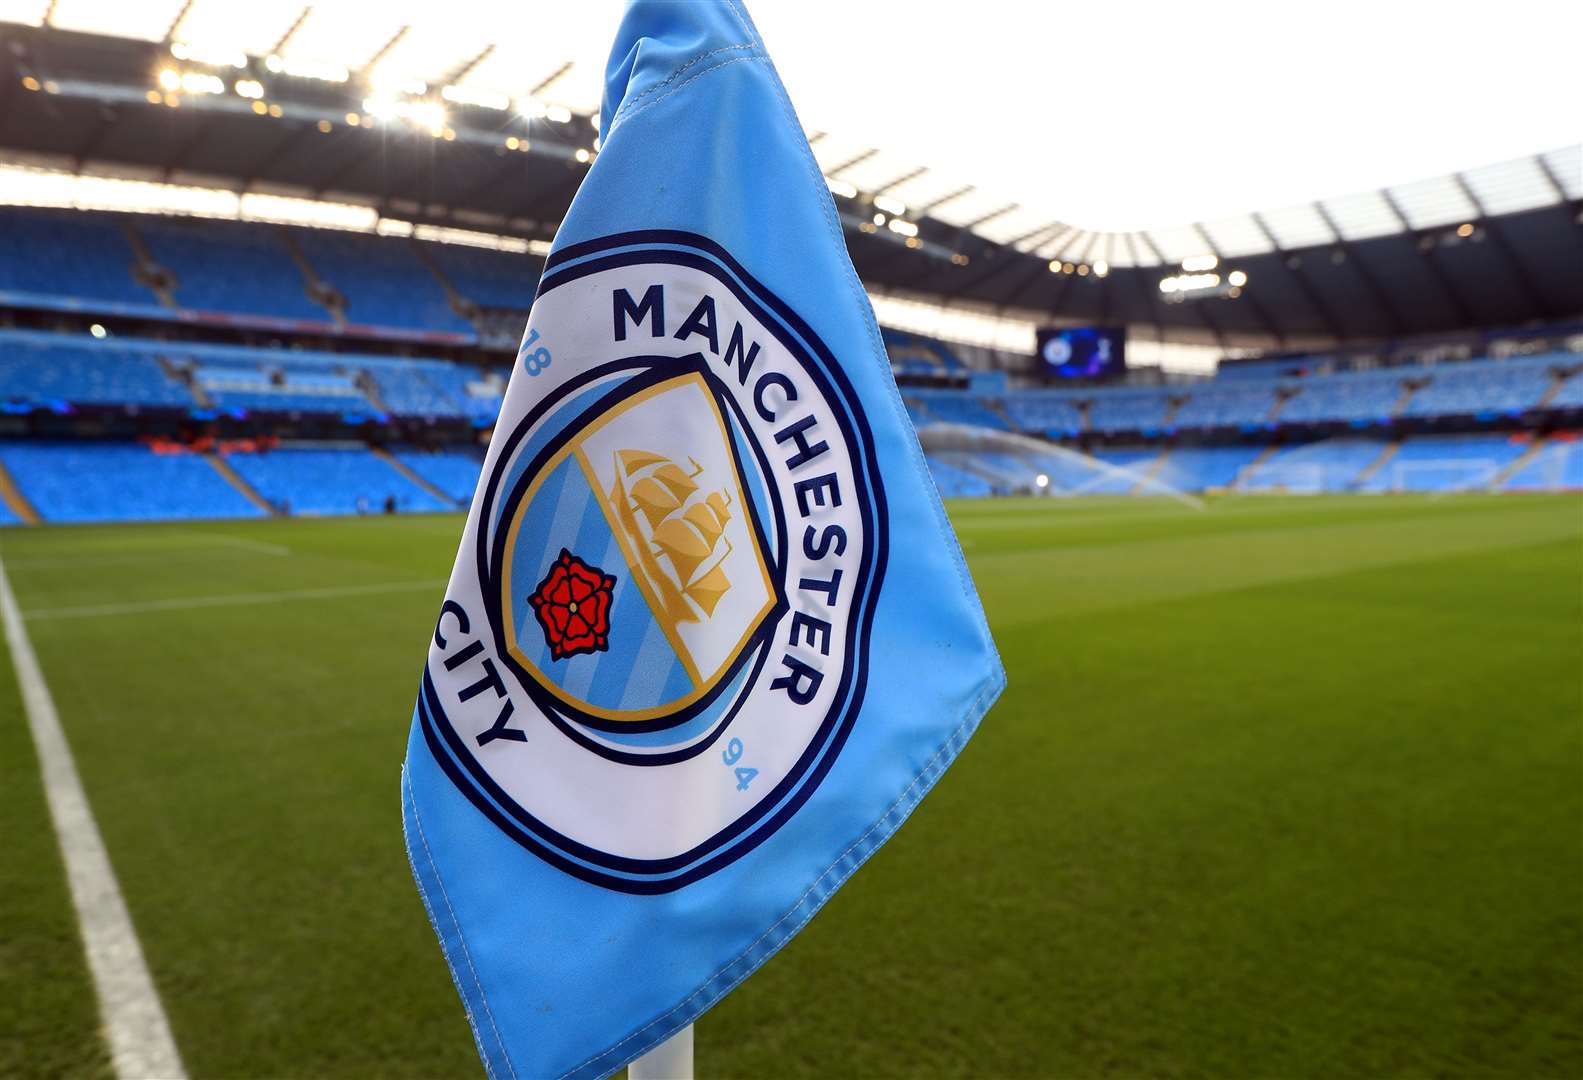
x=1082 y=352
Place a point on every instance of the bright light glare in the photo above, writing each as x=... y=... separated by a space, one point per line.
x=1237 y=278
x=1101 y=268
x=1195 y=263
x=97 y=330
x=842 y=188
x=484 y=99
x=1042 y=480
x=170 y=79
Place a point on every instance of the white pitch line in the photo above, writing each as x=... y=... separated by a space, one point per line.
x=236 y=599
x=239 y=542
x=141 y=1045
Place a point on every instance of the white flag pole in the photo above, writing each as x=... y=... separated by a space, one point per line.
x=670 y=1060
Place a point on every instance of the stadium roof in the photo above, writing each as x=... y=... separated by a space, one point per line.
x=1483 y=246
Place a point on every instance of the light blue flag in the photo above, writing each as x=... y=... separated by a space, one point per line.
x=709 y=638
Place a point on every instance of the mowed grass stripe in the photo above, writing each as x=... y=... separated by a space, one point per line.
x=49 y=1026
x=134 y=1021
x=1235 y=815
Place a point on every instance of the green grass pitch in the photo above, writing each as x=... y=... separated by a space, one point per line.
x=1289 y=787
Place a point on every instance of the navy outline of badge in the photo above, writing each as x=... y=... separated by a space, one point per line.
x=770 y=813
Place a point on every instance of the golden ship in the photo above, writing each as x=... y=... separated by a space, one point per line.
x=677 y=530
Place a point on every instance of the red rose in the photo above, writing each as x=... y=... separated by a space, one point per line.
x=573 y=606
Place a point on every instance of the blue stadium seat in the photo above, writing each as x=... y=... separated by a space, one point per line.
x=81 y=257
x=1570 y=396
x=383 y=280
x=1557 y=465
x=1129 y=410
x=497 y=279
x=454 y=472
x=338 y=480
x=231 y=266
x=39 y=371
x=83 y=482
x=1447 y=463
x=1328 y=465
x=1364 y=397
x=954 y=407
x=954 y=482
x=1484 y=389
x=261 y=385
x=1045 y=412
x=1212 y=405
x=1200 y=468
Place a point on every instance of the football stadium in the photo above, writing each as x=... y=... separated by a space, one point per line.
x=1275 y=510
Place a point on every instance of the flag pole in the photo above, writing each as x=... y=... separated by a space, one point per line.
x=670 y=1060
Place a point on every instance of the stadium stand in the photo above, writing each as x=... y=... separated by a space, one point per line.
x=955 y=482
x=228 y=266
x=1485 y=389
x=915 y=354
x=1447 y=463
x=1570 y=393
x=952 y=407
x=79 y=258
x=44 y=370
x=1129 y=410
x=1045 y=412
x=383 y=281
x=454 y=472
x=330 y=480
x=257 y=385
x=488 y=278
x=1359 y=398
x=1556 y=465
x=1218 y=406
x=1328 y=465
x=87 y=482
x=1206 y=468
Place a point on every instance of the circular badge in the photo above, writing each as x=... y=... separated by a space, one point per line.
x=653 y=643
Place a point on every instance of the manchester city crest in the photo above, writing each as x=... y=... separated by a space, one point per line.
x=668 y=575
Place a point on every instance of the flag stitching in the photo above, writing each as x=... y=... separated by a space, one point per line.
x=461 y=940
x=908 y=799
x=673 y=76
x=628 y=114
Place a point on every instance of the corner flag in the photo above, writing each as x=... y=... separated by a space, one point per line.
x=709 y=638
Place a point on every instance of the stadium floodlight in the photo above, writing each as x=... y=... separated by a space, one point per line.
x=249 y=88
x=170 y=79
x=1101 y=268
x=484 y=99
x=1194 y=264
x=889 y=205
x=559 y=114
x=841 y=188
x=213 y=57
x=1043 y=480
x=1237 y=278
x=905 y=228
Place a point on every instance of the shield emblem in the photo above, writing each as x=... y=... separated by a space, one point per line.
x=636 y=577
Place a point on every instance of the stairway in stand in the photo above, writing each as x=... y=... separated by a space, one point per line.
x=234 y=478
